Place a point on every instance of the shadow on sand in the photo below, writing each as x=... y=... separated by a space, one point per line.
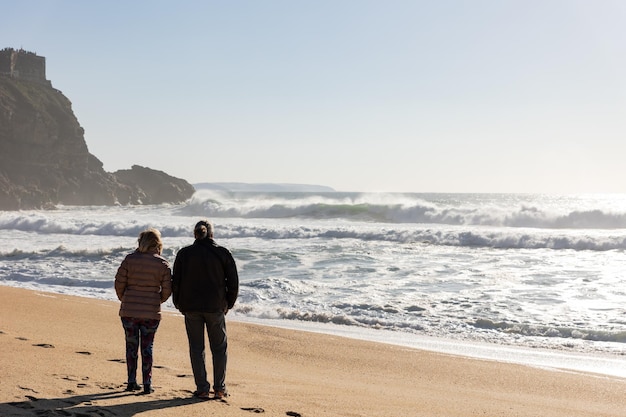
x=83 y=406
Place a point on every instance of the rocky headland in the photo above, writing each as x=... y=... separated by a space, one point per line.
x=44 y=159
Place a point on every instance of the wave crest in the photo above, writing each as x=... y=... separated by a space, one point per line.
x=405 y=209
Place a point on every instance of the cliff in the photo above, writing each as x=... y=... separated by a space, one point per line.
x=44 y=160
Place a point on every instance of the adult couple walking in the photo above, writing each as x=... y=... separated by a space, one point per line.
x=204 y=284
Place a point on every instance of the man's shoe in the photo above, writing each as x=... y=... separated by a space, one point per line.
x=133 y=386
x=203 y=395
x=147 y=389
x=219 y=394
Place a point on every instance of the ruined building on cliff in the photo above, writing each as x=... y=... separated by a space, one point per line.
x=25 y=65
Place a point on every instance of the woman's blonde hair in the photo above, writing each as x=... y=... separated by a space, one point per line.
x=150 y=241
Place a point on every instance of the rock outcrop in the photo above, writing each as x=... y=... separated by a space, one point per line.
x=154 y=187
x=44 y=160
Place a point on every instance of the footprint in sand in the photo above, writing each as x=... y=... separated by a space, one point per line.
x=117 y=360
x=293 y=414
x=84 y=353
x=44 y=345
x=253 y=409
x=21 y=338
x=109 y=386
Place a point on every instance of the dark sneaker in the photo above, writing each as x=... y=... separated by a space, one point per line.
x=133 y=386
x=147 y=389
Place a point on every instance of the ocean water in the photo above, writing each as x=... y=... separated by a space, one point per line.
x=520 y=275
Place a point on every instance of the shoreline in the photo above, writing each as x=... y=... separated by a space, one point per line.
x=62 y=355
x=602 y=363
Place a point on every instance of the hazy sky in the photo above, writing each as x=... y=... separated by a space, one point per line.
x=422 y=96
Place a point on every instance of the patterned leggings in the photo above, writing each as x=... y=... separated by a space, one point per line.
x=137 y=329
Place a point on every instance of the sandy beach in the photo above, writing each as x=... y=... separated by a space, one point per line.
x=64 y=356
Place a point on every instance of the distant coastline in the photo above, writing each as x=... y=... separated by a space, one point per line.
x=262 y=187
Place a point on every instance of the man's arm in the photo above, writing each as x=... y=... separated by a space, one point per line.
x=232 y=280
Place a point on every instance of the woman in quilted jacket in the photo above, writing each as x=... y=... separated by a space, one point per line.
x=142 y=283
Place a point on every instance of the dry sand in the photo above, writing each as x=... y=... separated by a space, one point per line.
x=64 y=356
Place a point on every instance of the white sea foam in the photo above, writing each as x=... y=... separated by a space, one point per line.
x=447 y=235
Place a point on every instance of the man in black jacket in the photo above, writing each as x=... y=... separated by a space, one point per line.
x=205 y=285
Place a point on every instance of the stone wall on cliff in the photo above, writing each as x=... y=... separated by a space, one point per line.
x=44 y=159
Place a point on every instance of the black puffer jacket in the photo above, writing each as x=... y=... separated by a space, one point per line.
x=204 y=278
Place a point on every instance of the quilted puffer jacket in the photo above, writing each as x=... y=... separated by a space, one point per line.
x=143 y=281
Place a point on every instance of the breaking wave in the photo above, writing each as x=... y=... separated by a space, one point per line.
x=482 y=221
x=471 y=236
x=407 y=209
x=552 y=331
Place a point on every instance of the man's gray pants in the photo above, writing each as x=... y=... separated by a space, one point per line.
x=215 y=324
